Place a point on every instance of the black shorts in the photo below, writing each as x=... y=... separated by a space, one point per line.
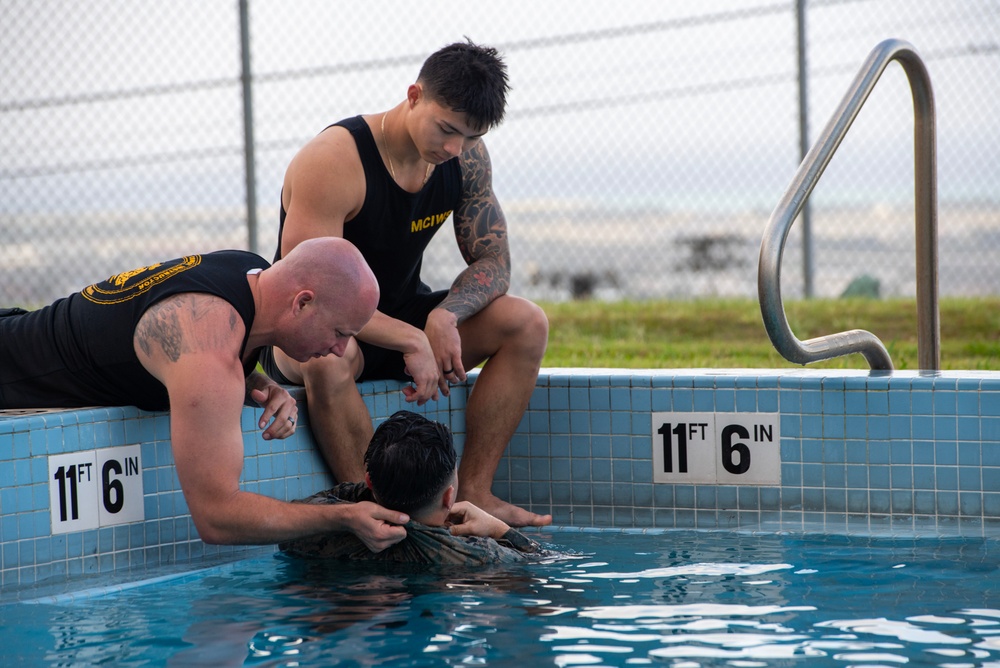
x=380 y=363
x=385 y=364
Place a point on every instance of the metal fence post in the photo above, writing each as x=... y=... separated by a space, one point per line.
x=248 y=143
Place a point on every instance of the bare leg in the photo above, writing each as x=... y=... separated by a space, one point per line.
x=338 y=416
x=513 y=333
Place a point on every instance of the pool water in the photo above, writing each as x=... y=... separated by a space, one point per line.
x=617 y=598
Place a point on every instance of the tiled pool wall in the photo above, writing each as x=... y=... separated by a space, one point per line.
x=859 y=453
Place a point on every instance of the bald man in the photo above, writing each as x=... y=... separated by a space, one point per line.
x=184 y=335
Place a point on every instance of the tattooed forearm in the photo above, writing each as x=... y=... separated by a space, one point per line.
x=481 y=231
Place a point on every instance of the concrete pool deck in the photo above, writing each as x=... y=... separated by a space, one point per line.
x=94 y=490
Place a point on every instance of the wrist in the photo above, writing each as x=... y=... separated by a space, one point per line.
x=444 y=316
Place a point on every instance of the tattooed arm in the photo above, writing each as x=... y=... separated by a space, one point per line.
x=191 y=343
x=481 y=231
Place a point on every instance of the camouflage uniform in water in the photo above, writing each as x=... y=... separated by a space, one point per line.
x=422 y=545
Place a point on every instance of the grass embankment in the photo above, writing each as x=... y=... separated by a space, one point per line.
x=730 y=333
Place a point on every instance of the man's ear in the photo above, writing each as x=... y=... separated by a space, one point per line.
x=414 y=93
x=448 y=497
x=368 y=480
x=302 y=299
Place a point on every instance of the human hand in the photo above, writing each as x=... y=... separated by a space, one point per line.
x=467 y=519
x=442 y=333
x=279 y=404
x=423 y=369
x=375 y=526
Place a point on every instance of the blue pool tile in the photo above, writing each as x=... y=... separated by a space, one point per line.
x=812 y=426
x=922 y=402
x=812 y=475
x=945 y=428
x=923 y=452
x=620 y=399
x=970 y=478
x=790 y=401
x=833 y=400
x=900 y=452
x=682 y=399
x=856 y=476
x=684 y=496
x=579 y=398
x=946 y=478
x=811 y=402
x=902 y=501
x=835 y=451
x=812 y=450
x=990 y=427
x=967 y=403
x=558 y=398
x=946 y=454
x=991 y=454
x=991 y=505
x=899 y=401
x=899 y=426
x=834 y=476
x=725 y=401
x=878 y=427
x=945 y=402
x=989 y=404
x=901 y=477
x=877 y=403
x=969 y=454
x=878 y=501
x=834 y=427
x=857 y=501
x=599 y=399
x=579 y=422
x=878 y=477
x=855 y=403
x=791 y=474
x=600 y=422
x=970 y=503
x=878 y=452
x=856 y=426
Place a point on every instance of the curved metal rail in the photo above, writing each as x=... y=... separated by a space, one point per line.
x=812 y=167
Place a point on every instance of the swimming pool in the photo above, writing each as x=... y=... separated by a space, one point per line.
x=852 y=456
x=675 y=598
x=835 y=452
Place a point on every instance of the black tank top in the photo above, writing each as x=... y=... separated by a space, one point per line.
x=394 y=226
x=78 y=351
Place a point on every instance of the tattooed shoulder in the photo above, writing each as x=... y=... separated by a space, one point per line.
x=185 y=323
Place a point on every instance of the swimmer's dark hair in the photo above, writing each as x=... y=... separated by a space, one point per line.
x=469 y=78
x=410 y=460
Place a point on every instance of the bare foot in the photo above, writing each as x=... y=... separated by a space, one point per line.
x=509 y=513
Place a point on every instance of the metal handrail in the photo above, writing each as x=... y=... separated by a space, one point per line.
x=808 y=174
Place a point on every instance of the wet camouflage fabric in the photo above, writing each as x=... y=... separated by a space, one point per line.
x=422 y=545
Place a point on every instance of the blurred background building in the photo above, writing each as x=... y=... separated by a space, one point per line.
x=645 y=146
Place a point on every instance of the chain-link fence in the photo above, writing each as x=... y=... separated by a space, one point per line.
x=645 y=146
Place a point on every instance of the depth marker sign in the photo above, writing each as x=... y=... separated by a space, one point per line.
x=95 y=488
x=717 y=448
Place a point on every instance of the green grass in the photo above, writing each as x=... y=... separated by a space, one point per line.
x=730 y=333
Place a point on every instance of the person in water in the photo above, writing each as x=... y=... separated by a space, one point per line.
x=411 y=466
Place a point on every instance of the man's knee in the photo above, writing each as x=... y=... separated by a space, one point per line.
x=331 y=374
x=530 y=327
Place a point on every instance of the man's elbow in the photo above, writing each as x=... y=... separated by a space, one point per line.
x=214 y=533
